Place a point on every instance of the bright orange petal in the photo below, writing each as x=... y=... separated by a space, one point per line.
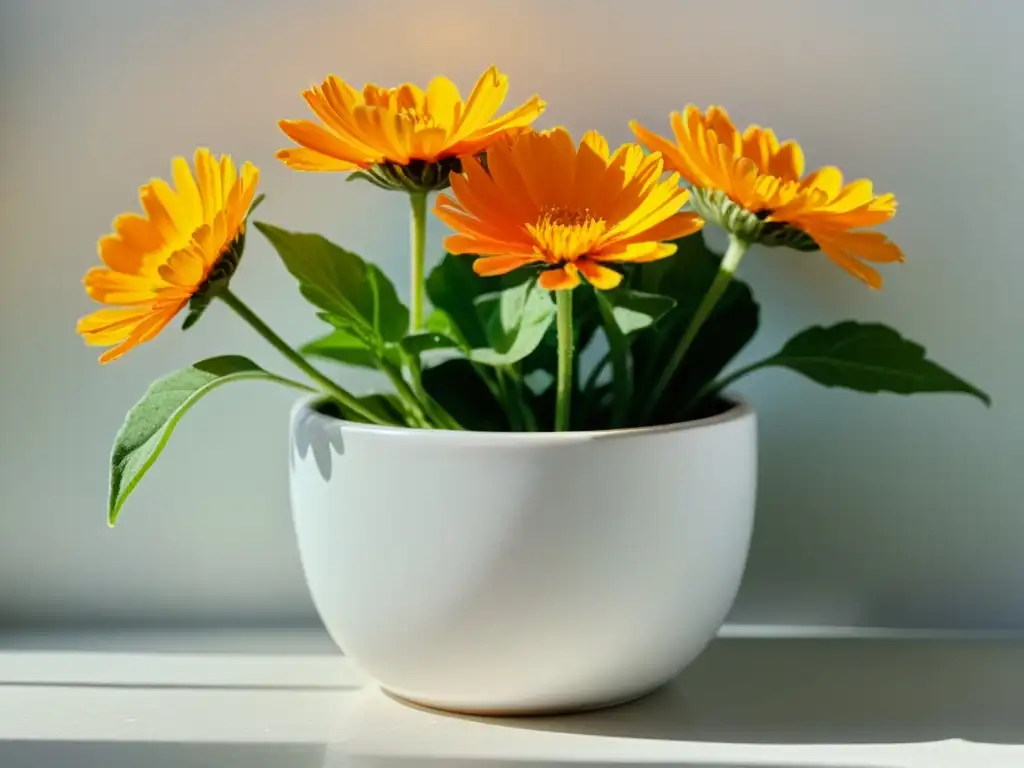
x=828 y=179
x=116 y=288
x=674 y=159
x=444 y=104
x=312 y=136
x=870 y=246
x=503 y=168
x=487 y=228
x=464 y=244
x=788 y=162
x=718 y=120
x=302 y=159
x=856 y=268
x=599 y=276
x=156 y=262
x=185 y=268
x=143 y=332
x=596 y=142
x=489 y=266
x=560 y=279
x=639 y=253
x=484 y=101
x=108 y=326
x=591 y=166
x=674 y=227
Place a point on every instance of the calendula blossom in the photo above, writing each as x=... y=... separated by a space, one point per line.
x=155 y=263
x=571 y=210
x=755 y=188
x=402 y=137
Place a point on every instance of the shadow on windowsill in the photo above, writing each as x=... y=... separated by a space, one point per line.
x=756 y=691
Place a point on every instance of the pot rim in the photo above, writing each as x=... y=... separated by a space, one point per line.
x=738 y=411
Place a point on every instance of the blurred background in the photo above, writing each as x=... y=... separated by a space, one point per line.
x=873 y=510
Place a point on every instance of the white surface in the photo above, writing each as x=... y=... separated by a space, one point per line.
x=523 y=573
x=872 y=510
x=744 y=702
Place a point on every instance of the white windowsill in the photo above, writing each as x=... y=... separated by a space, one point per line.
x=884 y=699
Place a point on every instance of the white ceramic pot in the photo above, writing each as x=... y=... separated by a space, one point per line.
x=518 y=573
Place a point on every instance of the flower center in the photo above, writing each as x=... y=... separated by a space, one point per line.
x=565 y=234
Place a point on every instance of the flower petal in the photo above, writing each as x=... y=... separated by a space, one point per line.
x=489 y=266
x=147 y=329
x=559 y=279
x=673 y=158
x=598 y=275
x=444 y=103
x=118 y=289
x=312 y=136
x=460 y=244
x=484 y=100
x=678 y=225
x=303 y=159
x=639 y=253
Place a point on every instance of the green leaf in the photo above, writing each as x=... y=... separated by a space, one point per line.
x=625 y=312
x=441 y=323
x=343 y=346
x=387 y=406
x=516 y=323
x=453 y=287
x=502 y=314
x=686 y=277
x=354 y=292
x=618 y=351
x=633 y=310
x=418 y=343
x=586 y=320
x=867 y=357
x=149 y=424
x=457 y=387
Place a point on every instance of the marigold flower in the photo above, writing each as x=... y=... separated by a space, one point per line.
x=543 y=201
x=755 y=187
x=402 y=137
x=156 y=263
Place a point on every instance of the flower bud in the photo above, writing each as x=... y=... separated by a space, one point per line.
x=716 y=206
x=418 y=176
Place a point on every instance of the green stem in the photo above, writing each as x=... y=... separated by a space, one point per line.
x=433 y=408
x=517 y=395
x=714 y=387
x=565 y=363
x=418 y=202
x=405 y=393
x=495 y=382
x=730 y=261
x=618 y=352
x=622 y=389
x=529 y=419
x=490 y=381
x=508 y=401
x=346 y=399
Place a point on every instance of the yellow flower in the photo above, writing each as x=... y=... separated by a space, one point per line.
x=543 y=201
x=402 y=137
x=777 y=203
x=157 y=262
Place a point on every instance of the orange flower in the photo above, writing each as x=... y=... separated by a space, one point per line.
x=156 y=263
x=400 y=126
x=542 y=200
x=766 y=179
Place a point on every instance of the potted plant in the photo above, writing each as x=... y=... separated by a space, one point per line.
x=550 y=506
